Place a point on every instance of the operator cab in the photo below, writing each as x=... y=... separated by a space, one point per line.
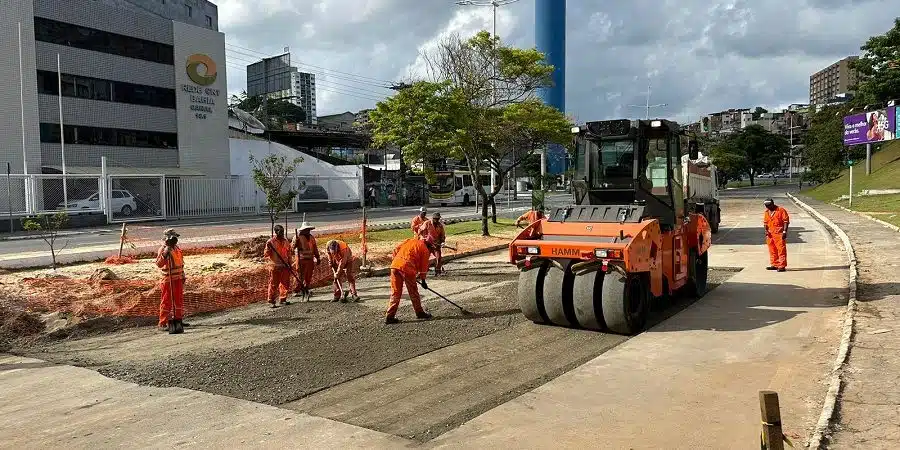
x=633 y=166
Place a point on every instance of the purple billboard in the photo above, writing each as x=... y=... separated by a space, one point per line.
x=870 y=127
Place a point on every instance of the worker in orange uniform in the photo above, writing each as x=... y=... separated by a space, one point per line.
x=435 y=229
x=410 y=263
x=775 y=221
x=171 y=262
x=340 y=258
x=308 y=257
x=278 y=251
x=531 y=216
x=417 y=221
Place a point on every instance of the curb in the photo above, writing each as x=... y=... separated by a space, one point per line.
x=879 y=221
x=837 y=373
x=386 y=270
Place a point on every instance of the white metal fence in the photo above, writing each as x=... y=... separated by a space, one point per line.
x=157 y=197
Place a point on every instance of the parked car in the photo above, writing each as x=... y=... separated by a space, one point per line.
x=312 y=192
x=121 y=202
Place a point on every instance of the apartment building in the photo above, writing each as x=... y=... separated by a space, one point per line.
x=836 y=80
x=278 y=79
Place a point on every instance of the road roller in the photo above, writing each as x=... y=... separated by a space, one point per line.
x=625 y=241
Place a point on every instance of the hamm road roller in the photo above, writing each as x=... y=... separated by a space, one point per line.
x=627 y=239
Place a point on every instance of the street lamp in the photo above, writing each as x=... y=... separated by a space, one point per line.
x=648 y=105
x=495 y=4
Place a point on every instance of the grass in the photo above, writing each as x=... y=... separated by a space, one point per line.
x=883 y=207
x=885 y=175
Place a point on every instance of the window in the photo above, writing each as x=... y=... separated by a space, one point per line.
x=188 y=10
x=61 y=33
x=79 y=134
x=209 y=21
x=105 y=90
x=117 y=194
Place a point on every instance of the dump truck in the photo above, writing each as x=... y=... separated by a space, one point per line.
x=627 y=239
x=701 y=190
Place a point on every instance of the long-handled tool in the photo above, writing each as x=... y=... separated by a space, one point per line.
x=288 y=266
x=175 y=326
x=337 y=279
x=464 y=311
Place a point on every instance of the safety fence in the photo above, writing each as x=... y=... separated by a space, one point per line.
x=129 y=198
x=219 y=276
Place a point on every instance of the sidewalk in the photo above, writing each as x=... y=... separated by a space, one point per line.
x=868 y=412
x=692 y=382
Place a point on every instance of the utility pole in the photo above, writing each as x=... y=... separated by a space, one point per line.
x=648 y=106
x=494 y=4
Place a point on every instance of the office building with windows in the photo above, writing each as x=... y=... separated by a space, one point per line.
x=278 y=79
x=833 y=82
x=143 y=84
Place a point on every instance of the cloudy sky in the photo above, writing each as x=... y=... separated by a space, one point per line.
x=700 y=55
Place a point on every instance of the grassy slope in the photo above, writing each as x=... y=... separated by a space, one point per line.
x=885 y=175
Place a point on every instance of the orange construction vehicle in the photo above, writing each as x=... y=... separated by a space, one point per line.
x=627 y=239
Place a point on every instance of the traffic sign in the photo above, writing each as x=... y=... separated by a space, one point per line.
x=850 y=163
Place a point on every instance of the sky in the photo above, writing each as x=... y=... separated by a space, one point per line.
x=699 y=56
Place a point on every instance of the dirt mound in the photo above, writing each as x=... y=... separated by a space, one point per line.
x=253 y=248
x=103 y=274
x=115 y=260
x=17 y=323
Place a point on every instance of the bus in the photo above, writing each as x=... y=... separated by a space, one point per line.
x=455 y=187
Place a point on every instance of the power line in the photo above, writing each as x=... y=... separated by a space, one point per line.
x=256 y=59
x=336 y=85
x=258 y=54
x=235 y=58
x=360 y=95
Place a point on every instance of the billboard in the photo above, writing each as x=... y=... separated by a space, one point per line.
x=869 y=127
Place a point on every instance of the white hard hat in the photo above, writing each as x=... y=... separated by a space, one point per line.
x=306 y=226
x=423 y=210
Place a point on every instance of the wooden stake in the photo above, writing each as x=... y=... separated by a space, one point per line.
x=772 y=437
x=122 y=239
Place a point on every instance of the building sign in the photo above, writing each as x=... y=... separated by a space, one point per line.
x=201 y=70
x=870 y=127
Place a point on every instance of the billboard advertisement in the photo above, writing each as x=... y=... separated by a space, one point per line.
x=870 y=127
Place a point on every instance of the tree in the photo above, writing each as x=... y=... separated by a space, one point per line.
x=271 y=174
x=824 y=150
x=477 y=106
x=879 y=68
x=750 y=151
x=47 y=227
x=277 y=111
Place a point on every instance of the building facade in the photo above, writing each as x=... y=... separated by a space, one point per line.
x=143 y=84
x=833 y=81
x=278 y=79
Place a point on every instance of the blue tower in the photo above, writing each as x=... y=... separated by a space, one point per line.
x=550 y=39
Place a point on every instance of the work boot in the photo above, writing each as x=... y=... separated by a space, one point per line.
x=272 y=304
x=423 y=315
x=336 y=299
x=163 y=327
x=285 y=302
x=356 y=298
x=345 y=297
x=390 y=320
x=177 y=327
x=771 y=268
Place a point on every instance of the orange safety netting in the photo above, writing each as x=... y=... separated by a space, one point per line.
x=220 y=273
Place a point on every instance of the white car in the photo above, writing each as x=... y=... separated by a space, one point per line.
x=121 y=202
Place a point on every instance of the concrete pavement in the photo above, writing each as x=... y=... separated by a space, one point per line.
x=690 y=382
x=693 y=381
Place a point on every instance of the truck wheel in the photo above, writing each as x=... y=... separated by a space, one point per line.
x=531 y=288
x=626 y=301
x=714 y=220
x=698 y=271
x=557 y=294
x=587 y=295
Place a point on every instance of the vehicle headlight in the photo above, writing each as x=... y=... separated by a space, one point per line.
x=600 y=253
x=533 y=250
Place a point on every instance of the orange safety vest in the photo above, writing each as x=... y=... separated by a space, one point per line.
x=173 y=266
x=436 y=231
x=417 y=224
x=343 y=253
x=305 y=246
x=283 y=249
x=412 y=258
x=530 y=217
x=774 y=221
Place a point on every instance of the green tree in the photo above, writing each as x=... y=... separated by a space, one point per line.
x=277 y=112
x=271 y=175
x=879 y=68
x=750 y=151
x=47 y=226
x=824 y=149
x=477 y=107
